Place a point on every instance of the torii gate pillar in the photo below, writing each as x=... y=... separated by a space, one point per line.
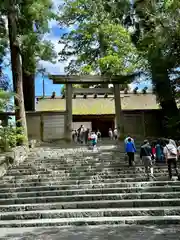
x=118 y=111
x=68 y=118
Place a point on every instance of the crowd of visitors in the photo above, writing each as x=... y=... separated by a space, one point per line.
x=159 y=151
x=82 y=134
x=85 y=136
x=162 y=150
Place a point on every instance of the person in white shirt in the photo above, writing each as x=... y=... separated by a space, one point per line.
x=172 y=142
x=171 y=155
x=115 y=133
x=110 y=134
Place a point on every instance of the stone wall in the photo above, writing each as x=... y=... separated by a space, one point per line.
x=46 y=126
x=133 y=123
x=34 y=126
x=143 y=123
x=53 y=126
x=50 y=125
x=15 y=157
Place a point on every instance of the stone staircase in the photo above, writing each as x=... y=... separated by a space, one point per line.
x=62 y=187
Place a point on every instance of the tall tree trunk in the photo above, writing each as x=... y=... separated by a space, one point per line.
x=29 y=91
x=161 y=81
x=16 y=69
x=159 y=66
x=166 y=98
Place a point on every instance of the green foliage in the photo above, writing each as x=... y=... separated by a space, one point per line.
x=155 y=31
x=10 y=136
x=5 y=100
x=33 y=18
x=160 y=31
x=3 y=38
x=100 y=45
x=157 y=37
x=33 y=24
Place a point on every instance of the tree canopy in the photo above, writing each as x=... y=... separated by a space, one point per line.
x=99 y=44
x=33 y=18
x=33 y=24
x=116 y=37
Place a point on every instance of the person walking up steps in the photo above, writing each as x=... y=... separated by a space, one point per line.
x=115 y=133
x=178 y=150
x=126 y=139
x=171 y=155
x=147 y=156
x=110 y=133
x=130 y=150
x=94 y=138
x=159 y=151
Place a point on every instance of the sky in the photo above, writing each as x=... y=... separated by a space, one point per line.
x=57 y=68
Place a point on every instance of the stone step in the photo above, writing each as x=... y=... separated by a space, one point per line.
x=102 y=212
x=94 y=167
x=92 y=221
x=65 y=180
x=62 y=167
x=64 y=186
x=89 y=169
x=16 y=199
x=59 y=167
x=47 y=189
x=82 y=159
x=83 y=162
x=69 y=184
x=45 y=167
x=58 y=151
x=57 y=191
x=163 y=202
x=76 y=172
x=75 y=155
x=102 y=176
x=99 y=165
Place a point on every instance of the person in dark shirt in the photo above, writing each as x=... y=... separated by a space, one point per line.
x=86 y=135
x=147 y=156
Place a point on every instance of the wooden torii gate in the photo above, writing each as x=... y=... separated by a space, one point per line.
x=93 y=79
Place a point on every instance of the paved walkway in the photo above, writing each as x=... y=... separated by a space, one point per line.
x=94 y=233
